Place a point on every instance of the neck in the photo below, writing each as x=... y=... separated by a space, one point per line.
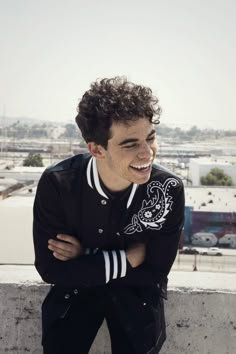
x=111 y=181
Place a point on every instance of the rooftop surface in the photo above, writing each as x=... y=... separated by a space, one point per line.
x=217 y=199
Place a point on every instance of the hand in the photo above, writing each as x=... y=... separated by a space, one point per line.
x=67 y=248
x=136 y=254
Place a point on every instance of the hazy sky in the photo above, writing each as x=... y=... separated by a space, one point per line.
x=185 y=50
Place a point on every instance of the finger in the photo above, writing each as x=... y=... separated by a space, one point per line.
x=60 y=257
x=60 y=251
x=61 y=245
x=68 y=238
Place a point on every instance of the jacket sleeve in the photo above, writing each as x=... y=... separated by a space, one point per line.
x=49 y=220
x=161 y=248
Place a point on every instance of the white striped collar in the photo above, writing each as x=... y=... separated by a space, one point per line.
x=93 y=172
x=96 y=179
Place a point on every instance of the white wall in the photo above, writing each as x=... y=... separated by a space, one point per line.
x=201 y=167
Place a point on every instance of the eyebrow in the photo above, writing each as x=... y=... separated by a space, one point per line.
x=134 y=140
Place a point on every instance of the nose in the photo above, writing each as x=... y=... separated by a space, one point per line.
x=145 y=151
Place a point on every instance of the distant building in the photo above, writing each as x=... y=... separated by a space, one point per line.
x=201 y=167
x=23 y=173
x=210 y=210
x=16 y=238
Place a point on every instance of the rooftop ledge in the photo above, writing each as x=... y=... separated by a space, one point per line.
x=223 y=282
x=200 y=313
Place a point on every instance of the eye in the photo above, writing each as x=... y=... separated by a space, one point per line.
x=129 y=146
x=151 y=139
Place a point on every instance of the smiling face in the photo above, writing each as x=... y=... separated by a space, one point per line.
x=129 y=155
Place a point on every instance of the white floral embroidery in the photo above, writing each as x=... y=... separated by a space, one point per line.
x=154 y=210
x=148 y=214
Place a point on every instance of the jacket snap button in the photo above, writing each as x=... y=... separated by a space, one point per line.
x=144 y=303
x=103 y=202
x=75 y=291
x=67 y=296
x=100 y=231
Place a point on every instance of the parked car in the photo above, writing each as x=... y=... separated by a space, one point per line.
x=211 y=251
x=188 y=250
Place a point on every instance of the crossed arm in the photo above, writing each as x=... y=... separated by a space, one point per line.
x=68 y=247
x=62 y=260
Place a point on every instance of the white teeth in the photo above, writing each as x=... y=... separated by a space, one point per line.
x=141 y=166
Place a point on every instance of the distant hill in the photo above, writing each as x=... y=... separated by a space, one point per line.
x=31 y=121
x=26 y=127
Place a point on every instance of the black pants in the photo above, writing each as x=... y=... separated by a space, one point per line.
x=75 y=333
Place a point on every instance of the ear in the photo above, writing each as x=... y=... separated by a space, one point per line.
x=96 y=150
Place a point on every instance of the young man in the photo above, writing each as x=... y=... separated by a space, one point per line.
x=107 y=226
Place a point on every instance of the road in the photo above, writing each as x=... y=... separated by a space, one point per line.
x=225 y=263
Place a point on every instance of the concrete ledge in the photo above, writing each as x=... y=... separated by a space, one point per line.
x=200 y=321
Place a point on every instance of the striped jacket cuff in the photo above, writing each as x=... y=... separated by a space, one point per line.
x=115 y=264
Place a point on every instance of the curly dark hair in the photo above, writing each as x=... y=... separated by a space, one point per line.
x=114 y=100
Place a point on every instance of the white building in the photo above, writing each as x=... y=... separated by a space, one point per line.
x=201 y=167
x=16 y=218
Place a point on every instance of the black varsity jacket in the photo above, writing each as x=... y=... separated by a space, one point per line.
x=70 y=199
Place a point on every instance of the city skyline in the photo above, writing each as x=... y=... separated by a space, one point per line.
x=185 y=51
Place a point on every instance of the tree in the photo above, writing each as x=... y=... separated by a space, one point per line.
x=71 y=131
x=34 y=160
x=216 y=177
x=82 y=144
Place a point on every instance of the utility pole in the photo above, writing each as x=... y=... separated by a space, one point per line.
x=195 y=263
x=5 y=130
x=3 y=142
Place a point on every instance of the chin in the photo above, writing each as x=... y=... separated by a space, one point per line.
x=142 y=180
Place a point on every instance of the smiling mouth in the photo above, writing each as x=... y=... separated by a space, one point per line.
x=144 y=167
